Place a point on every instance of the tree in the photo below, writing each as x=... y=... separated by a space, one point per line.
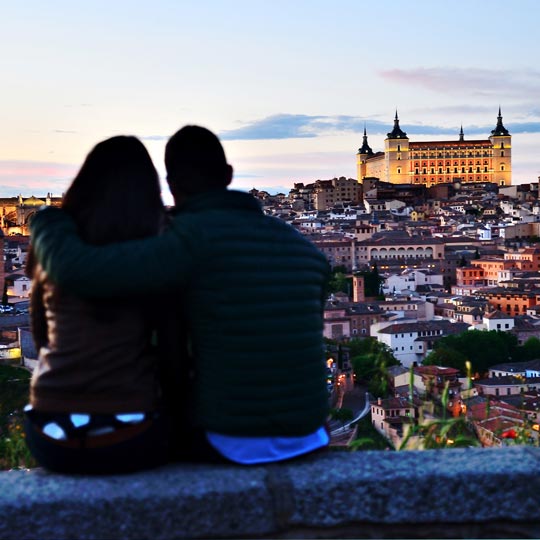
x=372 y=281
x=372 y=364
x=530 y=350
x=483 y=349
x=443 y=356
x=340 y=282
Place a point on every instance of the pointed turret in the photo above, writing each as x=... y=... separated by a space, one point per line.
x=499 y=130
x=396 y=133
x=461 y=136
x=365 y=149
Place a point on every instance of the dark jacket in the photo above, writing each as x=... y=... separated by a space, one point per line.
x=94 y=356
x=253 y=292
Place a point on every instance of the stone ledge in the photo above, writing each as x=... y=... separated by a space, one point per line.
x=469 y=493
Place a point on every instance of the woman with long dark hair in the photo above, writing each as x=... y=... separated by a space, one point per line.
x=94 y=396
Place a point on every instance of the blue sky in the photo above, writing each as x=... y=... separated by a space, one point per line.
x=287 y=85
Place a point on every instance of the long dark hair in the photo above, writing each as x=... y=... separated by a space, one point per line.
x=116 y=193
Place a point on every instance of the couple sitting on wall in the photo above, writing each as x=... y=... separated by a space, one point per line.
x=194 y=335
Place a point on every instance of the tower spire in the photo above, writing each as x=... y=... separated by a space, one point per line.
x=500 y=130
x=461 y=136
x=365 y=148
x=397 y=132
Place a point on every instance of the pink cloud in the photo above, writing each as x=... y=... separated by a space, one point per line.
x=481 y=82
x=29 y=177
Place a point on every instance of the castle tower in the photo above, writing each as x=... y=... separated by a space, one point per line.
x=502 y=153
x=396 y=155
x=364 y=152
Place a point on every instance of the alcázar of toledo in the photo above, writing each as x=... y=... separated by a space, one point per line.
x=436 y=162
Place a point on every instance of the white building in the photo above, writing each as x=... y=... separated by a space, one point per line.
x=410 y=279
x=411 y=340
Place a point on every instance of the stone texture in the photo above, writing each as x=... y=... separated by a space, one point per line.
x=470 y=493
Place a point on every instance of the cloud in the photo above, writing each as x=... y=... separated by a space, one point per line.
x=247 y=175
x=155 y=138
x=279 y=126
x=300 y=126
x=469 y=81
x=64 y=131
x=34 y=177
x=284 y=126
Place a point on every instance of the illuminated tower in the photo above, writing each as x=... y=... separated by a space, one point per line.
x=502 y=153
x=364 y=152
x=396 y=155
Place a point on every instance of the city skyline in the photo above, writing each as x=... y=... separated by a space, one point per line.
x=287 y=87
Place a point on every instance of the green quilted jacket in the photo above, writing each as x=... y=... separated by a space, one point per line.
x=253 y=292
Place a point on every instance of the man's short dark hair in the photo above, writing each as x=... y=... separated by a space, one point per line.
x=195 y=161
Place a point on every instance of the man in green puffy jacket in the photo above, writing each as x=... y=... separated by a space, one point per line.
x=251 y=290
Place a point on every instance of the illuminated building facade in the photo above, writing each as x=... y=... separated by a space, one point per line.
x=437 y=162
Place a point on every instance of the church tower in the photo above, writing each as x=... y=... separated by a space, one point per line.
x=502 y=153
x=363 y=153
x=396 y=146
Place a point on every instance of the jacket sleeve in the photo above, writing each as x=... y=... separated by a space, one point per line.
x=150 y=265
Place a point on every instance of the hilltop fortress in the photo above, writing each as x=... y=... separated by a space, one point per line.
x=437 y=162
x=16 y=212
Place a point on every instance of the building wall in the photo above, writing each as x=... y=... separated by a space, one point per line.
x=397 y=161
x=439 y=162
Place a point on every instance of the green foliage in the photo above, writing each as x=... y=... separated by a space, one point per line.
x=530 y=350
x=484 y=349
x=371 y=363
x=340 y=282
x=368 y=438
x=14 y=452
x=372 y=281
x=14 y=383
x=442 y=356
x=439 y=433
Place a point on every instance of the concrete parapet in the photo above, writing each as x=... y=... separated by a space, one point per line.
x=460 y=493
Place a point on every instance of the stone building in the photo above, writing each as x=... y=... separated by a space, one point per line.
x=439 y=162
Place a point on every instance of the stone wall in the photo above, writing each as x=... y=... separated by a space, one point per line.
x=461 y=493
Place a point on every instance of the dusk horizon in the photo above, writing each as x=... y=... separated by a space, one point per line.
x=289 y=96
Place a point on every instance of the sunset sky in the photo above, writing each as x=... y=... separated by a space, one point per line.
x=287 y=85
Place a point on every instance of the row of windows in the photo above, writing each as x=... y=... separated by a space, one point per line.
x=451 y=154
x=440 y=163
x=440 y=171
x=442 y=179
